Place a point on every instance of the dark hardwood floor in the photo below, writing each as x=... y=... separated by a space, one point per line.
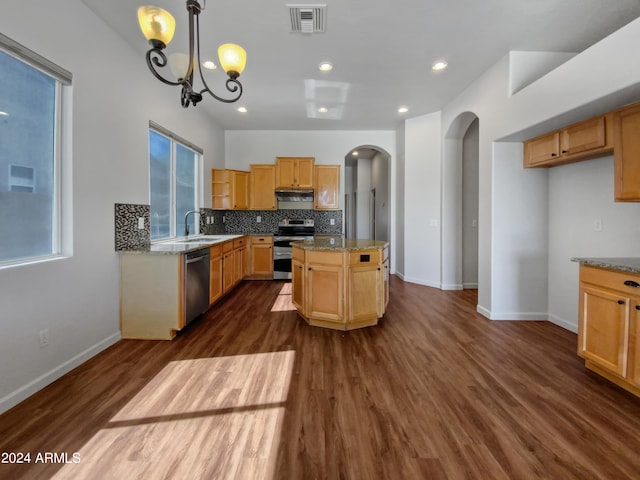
x=436 y=391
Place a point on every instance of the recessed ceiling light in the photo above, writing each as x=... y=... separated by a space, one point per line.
x=243 y=109
x=4 y=114
x=209 y=65
x=323 y=110
x=403 y=110
x=354 y=153
x=440 y=65
x=325 y=67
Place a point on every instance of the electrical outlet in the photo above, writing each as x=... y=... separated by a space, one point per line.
x=44 y=338
x=140 y=223
x=332 y=221
x=259 y=219
x=597 y=224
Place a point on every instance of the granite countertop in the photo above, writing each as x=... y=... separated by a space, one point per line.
x=340 y=244
x=176 y=247
x=624 y=264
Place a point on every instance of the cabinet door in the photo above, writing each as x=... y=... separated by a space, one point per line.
x=262 y=179
x=633 y=373
x=627 y=154
x=325 y=292
x=304 y=172
x=604 y=328
x=238 y=265
x=215 y=278
x=297 y=285
x=285 y=172
x=365 y=290
x=262 y=259
x=240 y=190
x=385 y=285
x=541 y=150
x=327 y=187
x=583 y=136
x=228 y=269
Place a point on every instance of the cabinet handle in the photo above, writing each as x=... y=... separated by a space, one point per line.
x=637 y=307
x=621 y=302
x=631 y=283
x=564 y=151
x=378 y=268
x=309 y=268
x=553 y=154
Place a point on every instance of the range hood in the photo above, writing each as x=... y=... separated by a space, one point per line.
x=285 y=195
x=294 y=199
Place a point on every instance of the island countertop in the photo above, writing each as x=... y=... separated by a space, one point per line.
x=624 y=264
x=340 y=244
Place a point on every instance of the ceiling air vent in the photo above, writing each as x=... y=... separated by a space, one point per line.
x=308 y=18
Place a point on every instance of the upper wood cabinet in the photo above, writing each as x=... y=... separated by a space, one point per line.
x=580 y=141
x=326 y=185
x=293 y=172
x=229 y=189
x=262 y=179
x=627 y=153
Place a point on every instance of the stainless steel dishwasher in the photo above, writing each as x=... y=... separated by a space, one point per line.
x=196 y=283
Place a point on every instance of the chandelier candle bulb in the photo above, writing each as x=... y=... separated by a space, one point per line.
x=156 y=24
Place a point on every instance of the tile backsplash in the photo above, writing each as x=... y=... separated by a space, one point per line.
x=218 y=222
x=127 y=235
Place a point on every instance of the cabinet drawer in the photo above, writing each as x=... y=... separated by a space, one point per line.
x=613 y=280
x=215 y=251
x=369 y=257
x=227 y=246
x=261 y=240
x=298 y=254
x=324 y=258
x=239 y=242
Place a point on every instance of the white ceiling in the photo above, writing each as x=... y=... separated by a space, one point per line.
x=382 y=52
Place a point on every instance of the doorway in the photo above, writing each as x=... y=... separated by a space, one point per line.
x=367 y=193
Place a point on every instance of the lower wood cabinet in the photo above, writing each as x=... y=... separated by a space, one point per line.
x=215 y=273
x=340 y=289
x=609 y=328
x=260 y=258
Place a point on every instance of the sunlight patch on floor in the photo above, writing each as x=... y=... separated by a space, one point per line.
x=198 y=418
x=283 y=301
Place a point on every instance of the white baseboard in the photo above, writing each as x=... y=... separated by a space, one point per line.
x=469 y=286
x=52 y=375
x=420 y=281
x=453 y=286
x=561 y=322
x=511 y=315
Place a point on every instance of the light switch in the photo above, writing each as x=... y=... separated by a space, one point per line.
x=258 y=219
x=332 y=221
x=597 y=225
x=140 y=223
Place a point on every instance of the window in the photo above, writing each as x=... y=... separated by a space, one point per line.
x=31 y=141
x=174 y=171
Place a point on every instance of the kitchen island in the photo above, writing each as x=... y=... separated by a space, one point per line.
x=340 y=283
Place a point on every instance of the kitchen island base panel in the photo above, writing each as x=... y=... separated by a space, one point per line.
x=340 y=326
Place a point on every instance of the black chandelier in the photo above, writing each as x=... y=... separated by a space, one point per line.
x=158 y=26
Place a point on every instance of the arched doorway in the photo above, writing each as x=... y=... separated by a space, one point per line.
x=460 y=204
x=367 y=193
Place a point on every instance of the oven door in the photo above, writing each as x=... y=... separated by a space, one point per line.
x=282 y=263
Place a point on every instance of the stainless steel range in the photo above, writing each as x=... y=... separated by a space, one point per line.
x=289 y=230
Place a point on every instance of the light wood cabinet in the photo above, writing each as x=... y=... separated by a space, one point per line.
x=325 y=287
x=326 y=186
x=229 y=189
x=580 y=141
x=261 y=257
x=215 y=273
x=263 y=185
x=339 y=289
x=627 y=153
x=294 y=172
x=609 y=311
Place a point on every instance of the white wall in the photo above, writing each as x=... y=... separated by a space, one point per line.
x=114 y=97
x=579 y=194
x=470 y=206
x=514 y=203
x=380 y=178
x=422 y=190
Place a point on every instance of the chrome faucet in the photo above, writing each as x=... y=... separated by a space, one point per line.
x=186 y=225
